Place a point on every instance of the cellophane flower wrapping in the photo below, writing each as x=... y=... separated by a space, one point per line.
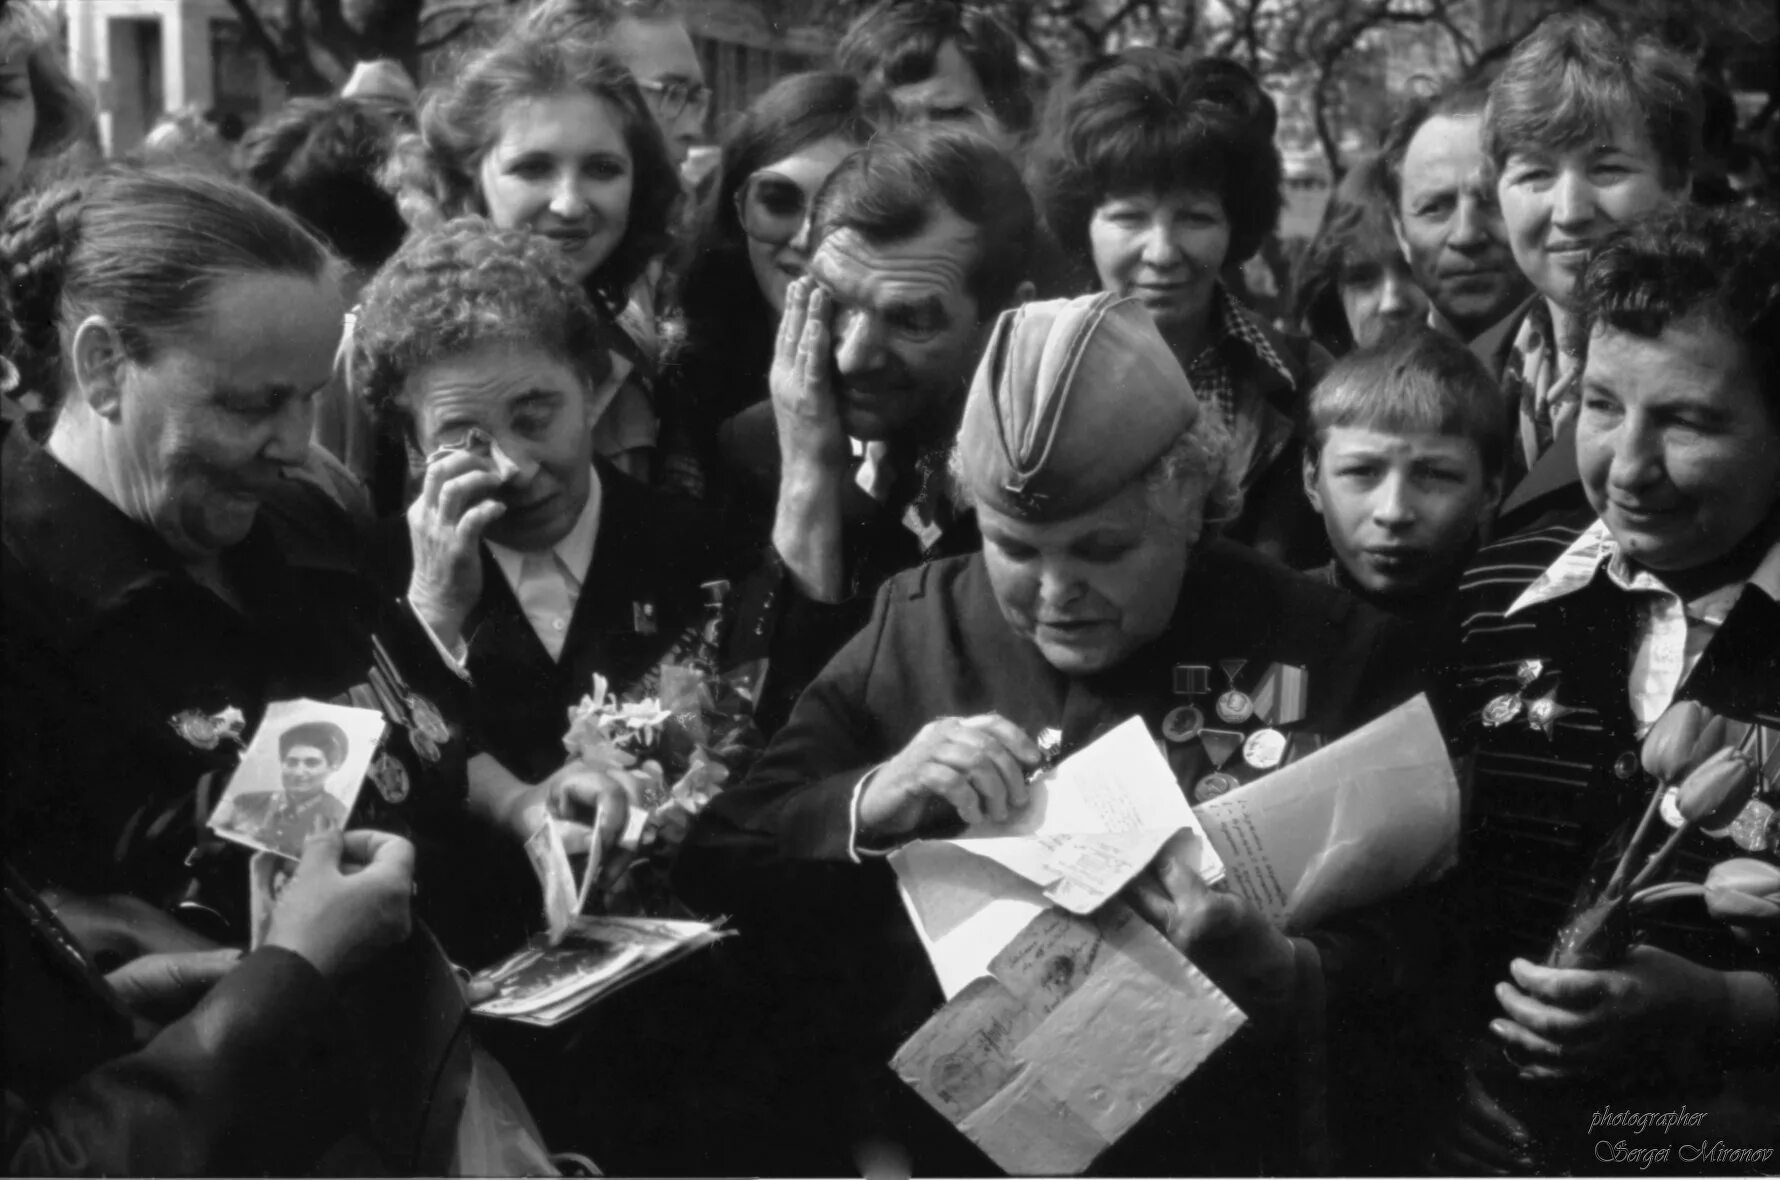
x=688 y=730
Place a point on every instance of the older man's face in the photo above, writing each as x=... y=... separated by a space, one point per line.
x=1089 y=590
x=537 y=411
x=1678 y=446
x=906 y=331
x=1450 y=227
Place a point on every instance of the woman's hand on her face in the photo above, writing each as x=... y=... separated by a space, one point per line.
x=804 y=404
x=973 y=768
x=445 y=525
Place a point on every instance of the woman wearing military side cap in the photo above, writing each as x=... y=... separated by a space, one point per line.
x=1101 y=591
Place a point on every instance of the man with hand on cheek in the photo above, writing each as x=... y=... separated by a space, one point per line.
x=917 y=241
x=1667 y=590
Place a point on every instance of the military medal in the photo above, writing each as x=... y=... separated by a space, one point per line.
x=207 y=731
x=1543 y=713
x=1183 y=724
x=423 y=745
x=1234 y=706
x=1264 y=749
x=427 y=720
x=1503 y=709
x=1191 y=680
x=1756 y=828
x=390 y=777
x=1219 y=745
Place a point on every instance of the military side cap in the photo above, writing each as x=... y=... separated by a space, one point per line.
x=325 y=736
x=1074 y=399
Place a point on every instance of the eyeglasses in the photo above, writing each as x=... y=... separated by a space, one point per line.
x=671 y=98
x=771 y=208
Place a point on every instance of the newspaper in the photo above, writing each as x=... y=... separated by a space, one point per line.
x=1358 y=820
x=1095 y=821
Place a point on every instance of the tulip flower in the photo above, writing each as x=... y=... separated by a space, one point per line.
x=1743 y=893
x=1717 y=789
x=1711 y=796
x=1683 y=737
x=1668 y=747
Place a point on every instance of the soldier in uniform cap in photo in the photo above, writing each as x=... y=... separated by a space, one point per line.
x=1101 y=590
x=308 y=754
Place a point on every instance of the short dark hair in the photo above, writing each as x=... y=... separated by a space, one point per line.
x=320 y=159
x=1687 y=264
x=896 y=43
x=1574 y=75
x=1418 y=381
x=145 y=249
x=888 y=192
x=1466 y=95
x=1356 y=227
x=795 y=112
x=325 y=736
x=1152 y=121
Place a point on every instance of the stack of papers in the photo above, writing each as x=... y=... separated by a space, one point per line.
x=1096 y=820
x=1081 y=1026
x=545 y=984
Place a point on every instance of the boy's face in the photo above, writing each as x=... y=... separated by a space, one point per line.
x=1401 y=510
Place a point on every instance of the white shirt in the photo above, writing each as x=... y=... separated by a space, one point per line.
x=548 y=584
x=1671 y=633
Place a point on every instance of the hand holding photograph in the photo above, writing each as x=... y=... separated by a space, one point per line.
x=301 y=772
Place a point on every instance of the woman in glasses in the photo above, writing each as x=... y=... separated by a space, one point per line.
x=775 y=158
x=548 y=133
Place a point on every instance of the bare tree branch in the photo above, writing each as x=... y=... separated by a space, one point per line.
x=448 y=37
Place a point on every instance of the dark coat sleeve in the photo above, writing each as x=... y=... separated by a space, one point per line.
x=249 y=1082
x=796 y=803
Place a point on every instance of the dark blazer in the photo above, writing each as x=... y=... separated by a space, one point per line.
x=106 y=642
x=641 y=591
x=1552 y=487
x=1546 y=814
x=256 y=1079
x=796 y=635
x=773 y=851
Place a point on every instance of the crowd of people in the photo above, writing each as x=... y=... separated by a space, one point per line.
x=445 y=401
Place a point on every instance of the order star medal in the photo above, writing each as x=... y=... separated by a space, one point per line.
x=1543 y=713
x=391 y=778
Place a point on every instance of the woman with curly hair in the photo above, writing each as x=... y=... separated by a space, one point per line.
x=469 y=343
x=549 y=134
x=1156 y=175
x=42 y=111
x=1353 y=286
x=775 y=159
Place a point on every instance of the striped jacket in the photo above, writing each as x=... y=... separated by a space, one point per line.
x=1550 y=807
